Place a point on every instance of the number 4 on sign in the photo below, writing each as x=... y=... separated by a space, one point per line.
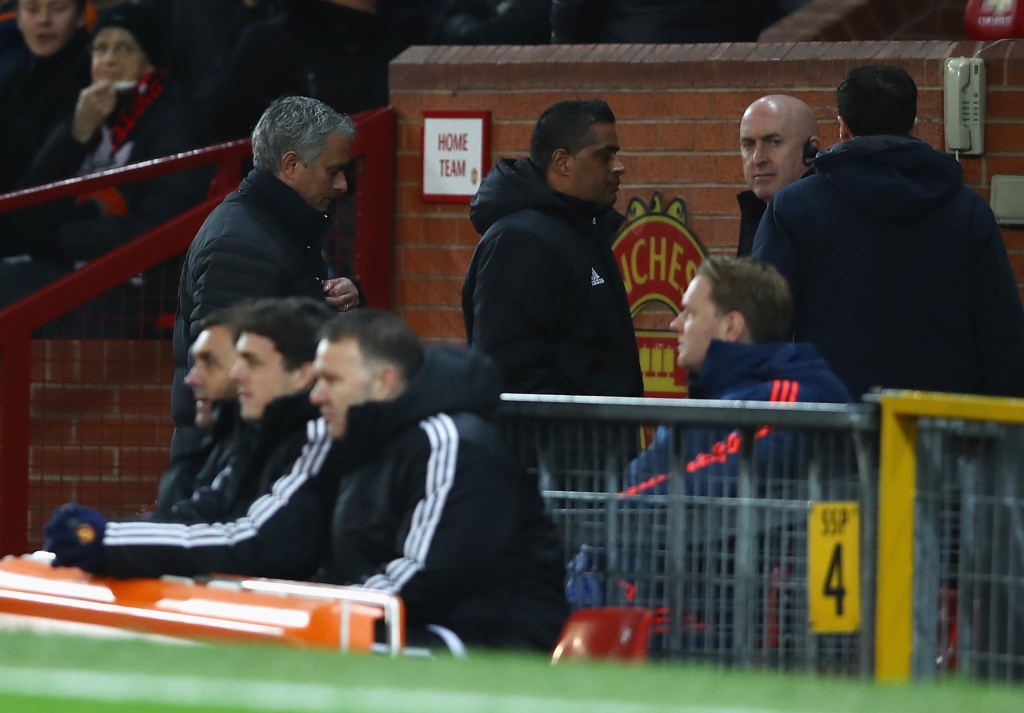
x=833 y=567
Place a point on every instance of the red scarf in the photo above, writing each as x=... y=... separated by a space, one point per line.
x=147 y=90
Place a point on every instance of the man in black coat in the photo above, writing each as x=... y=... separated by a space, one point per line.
x=899 y=273
x=264 y=240
x=543 y=296
x=43 y=91
x=433 y=506
x=267 y=515
x=213 y=356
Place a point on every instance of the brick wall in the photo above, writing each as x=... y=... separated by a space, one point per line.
x=101 y=426
x=848 y=20
x=678 y=110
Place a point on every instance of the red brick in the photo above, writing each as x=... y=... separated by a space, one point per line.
x=1004 y=165
x=1017 y=263
x=145 y=401
x=636 y=137
x=676 y=136
x=419 y=260
x=1004 y=137
x=67 y=400
x=124 y=433
x=1008 y=104
x=409 y=229
x=692 y=105
x=1014 y=238
x=718 y=137
x=58 y=460
x=452 y=326
x=143 y=461
x=52 y=431
x=424 y=322
x=511 y=136
x=454 y=262
x=440 y=230
x=706 y=201
x=731 y=105
x=656 y=105
x=972 y=170
x=409 y=167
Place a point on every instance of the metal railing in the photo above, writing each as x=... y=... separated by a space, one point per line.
x=372 y=152
x=710 y=526
x=951 y=537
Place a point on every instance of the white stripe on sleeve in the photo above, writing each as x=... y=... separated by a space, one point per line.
x=444 y=454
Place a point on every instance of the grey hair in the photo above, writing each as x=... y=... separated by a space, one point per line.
x=298 y=124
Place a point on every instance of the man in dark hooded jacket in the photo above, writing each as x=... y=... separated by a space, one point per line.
x=899 y=274
x=543 y=296
x=433 y=506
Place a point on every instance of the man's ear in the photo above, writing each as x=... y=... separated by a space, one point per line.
x=304 y=377
x=844 y=130
x=736 y=328
x=387 y=384
x=560 y=161
x=290 y=164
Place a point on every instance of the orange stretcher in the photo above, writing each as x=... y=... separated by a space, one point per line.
x=215 y=608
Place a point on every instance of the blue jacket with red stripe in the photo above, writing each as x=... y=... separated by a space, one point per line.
x=783 y=372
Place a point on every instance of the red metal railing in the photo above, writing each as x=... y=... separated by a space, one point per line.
x=373 y=149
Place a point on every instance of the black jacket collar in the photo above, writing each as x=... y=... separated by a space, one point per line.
x=301 y=221
x=752 y=209
x=282 y=416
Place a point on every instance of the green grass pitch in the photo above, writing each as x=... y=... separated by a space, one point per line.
x=77 y=675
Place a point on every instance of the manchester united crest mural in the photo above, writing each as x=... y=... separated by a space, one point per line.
x=658 y=256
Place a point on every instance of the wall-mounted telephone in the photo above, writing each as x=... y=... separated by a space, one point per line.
x=964 y=104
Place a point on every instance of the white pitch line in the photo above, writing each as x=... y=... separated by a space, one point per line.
x=305 y=697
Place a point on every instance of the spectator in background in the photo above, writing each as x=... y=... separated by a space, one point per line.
x=543 y=296
x=44 y=90
x=433 y=506
x=492 y=22
x=14 y=53
x=203 y=34
x=213 y=355
x=336 y=51
x=898 y=270
x=265 y=516
x=778 y=143
x=264 y=240
x=130 y=113
x=660 y=21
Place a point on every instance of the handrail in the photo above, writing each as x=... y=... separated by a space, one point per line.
x=117 y=176
x=695 y=412
x=373 y=144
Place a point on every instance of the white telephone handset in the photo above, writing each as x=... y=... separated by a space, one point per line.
x=964 y=105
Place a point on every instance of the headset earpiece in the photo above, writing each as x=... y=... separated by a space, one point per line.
x=810 y=152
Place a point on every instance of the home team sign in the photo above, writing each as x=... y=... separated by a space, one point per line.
x=456 y=153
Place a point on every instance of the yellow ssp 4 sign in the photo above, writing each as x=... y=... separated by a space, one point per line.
x=833 y=568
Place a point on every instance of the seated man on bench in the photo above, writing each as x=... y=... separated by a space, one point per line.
x=433 y=506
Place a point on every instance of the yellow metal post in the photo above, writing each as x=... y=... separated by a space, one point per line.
x=895 y=581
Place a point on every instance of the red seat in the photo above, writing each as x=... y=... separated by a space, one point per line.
x=607 y=633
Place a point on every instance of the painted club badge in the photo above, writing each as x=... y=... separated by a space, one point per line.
x=657 y=255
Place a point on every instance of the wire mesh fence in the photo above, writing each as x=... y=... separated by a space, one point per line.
x=701 y=514
x=969 y=550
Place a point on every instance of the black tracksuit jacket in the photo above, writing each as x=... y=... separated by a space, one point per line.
x=266 y=515
x=199 y=467
x=435 y=508
x=543 y=296
x=264 y=240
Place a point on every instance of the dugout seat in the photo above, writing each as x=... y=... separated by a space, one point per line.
x=619 y=633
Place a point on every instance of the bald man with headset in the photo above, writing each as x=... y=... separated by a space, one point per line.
x=778 y=142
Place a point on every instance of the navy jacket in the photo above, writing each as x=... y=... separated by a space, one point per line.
x=781 y=372
x=899 y=273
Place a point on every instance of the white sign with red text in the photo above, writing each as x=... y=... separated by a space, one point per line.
x=454 y=157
